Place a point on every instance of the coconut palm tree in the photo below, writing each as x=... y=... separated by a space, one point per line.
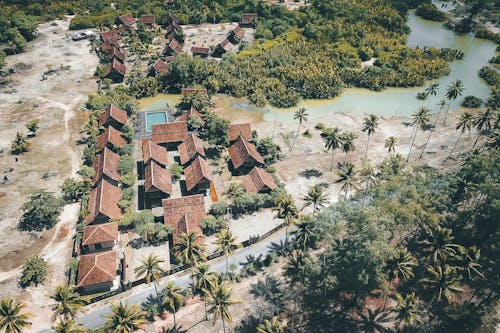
x=285 y=207
x=420 y=120
x=331 y=137
x=390 y=144
x=442 y=282
x=483 y=123
x=465 y=122
x=271 y=326
x=203 y=279
x=219 y=302
x=469 y=262
x=68 y=326
x=408 y=310
x=234 y=190
x=188 y=250
x=347 y=140
x=400 y=265
x=172 y=298
x=150 y=269
x=441 y=104
x=347 y=177
x=370 y=123
x=431 y=89
x=300 y=115
x=438 y=245
x=453 y=91
x=316 y=197
x=125 y=318
x=68 y=302
x=306 y=232
x=11 y=318
x=373 y=321
x=226 y=243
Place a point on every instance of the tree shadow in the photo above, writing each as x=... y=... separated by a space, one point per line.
x=310 y=173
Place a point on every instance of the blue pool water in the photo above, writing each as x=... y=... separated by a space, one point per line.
x=155 y=118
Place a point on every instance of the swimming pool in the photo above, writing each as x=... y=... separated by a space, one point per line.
x=155 y=118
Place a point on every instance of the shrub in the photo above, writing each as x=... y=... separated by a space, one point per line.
x=472 y=102
x=126 y=164
x=128 y=179
x=491 y=77
x=219 y=208
x=20 y=144
x=429 y=11
x=320 y=126
x=269 y=150
x=34 y=271
x=73 y=190
x=250 y=202
x=33 y=126
x=131 y=219
x=153 y=233
x=307 y=134
x=41 y=211
x=175 y=171
x=87 y=173
x=486 y=34
x=81 y=22
x=128 y=193
x=211 y=224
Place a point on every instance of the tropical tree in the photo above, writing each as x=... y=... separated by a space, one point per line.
x=306 y=232
x=125 y=318
x=331 y=138
x=374 y=321
x=68 y=302
x=203 y=279
x=465 y=122
x=408 y=310
x=483 y=123
x=68 y=326
x=225 y=242
x=274 y=325
x=438 y=245
x=347 y=139
x=235 y=190
x=390 y=144
x=469 y=262
x=11 y=318
x=420 y=120
x=441 y=104
x=316 y=197
x=285 y=207
x=347 y=177
x=188 y=250
x=150 y=269
x=20 y=144
x=370 y=123
x=431 y=89
x=33 y=126
x=453 y=91
x=219 y=302
x=400 y=265
x=172 y=298
x=301 y=116
x=443 y=283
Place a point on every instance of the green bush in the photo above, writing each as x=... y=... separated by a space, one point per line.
x=128 y=193
x=73 y=190
x=34 y=271
x=128 y=179
x=491 y=76
x=175 y=171
x=212 y=225
x=219 y=208
x=153 y=233
x=269 y=150
x=486 y=34
x=81 y=22
x=126 y=164
x=41 y=211
x=472 y=102
x=429 y=11
x=130 y=219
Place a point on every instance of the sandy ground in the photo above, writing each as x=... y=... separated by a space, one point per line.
x=289 y=4
x=55 y=101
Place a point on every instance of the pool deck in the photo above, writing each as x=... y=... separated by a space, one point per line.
x=140 y=125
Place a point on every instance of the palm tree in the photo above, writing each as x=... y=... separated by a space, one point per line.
x=125 y=318
x=374 y=321
x=188 y=250
x=300 y=115
x=235 y=190
x=370 y=123
x=407 y=309
x=20 y=144
x=441 y=104
x=285 y=207
x=483 y=123
x=219 y=302
x=331 y=137
x=443 y=284
x=390 y=144
x=203 y=279
x=347 y=140
x=68 y=302
x=315 y=196
x=271 y=326
x=172 y=298
x=296 y=268
x=469 y=262
x=225 y=242
x=420 y=120
x=150 y=268
x=347 y=177
x=431 y=89
x=465 y=122
x=68 y=326
x=11 y=318
x=438 y=245
x=453 y=91
x=306 y=233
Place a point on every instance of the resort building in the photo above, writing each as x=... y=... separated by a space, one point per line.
x=110 y=138
x=190 y=149
x=157 y=183
x=173 y=48
x=244 y=155
x=106 y=167
x=259 y=180
x=111 y=36
x=158 y=67
x=248 y=20
x=100 y=237
x=127 y=20
x=192 y=112
x=148 y=20
x=169 y=134
x=184 y=214
x=103 y=203
x=235 y=131
x=154 y=152
x=222 y=47
x=113 y=116
x=189 y=91
x=236 y=35
x=200 y=51
x=115 y=71
x=98 y=272
x=198 y=177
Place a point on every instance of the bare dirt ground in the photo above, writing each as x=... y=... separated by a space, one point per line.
x=289 y=4
x=56 y=102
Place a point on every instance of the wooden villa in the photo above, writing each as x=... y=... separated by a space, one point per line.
x=98 y=272
x=184 y=214
x=148 y=20
x=199 y=51
x=222 y=47
x=111 y=36
x=113 y=116
x=169 y=134
x=173 y=48
x=236 y=35
x=128 y=20
x=190 y=149
x=111 y=138
x=237 y=130
x=197 y=176
x=157 y=183
x=192 y=112
x=115 y=71
x=158 y=67
x=248 y=20
x=103 y=203
x=244 y=155
x=154 y=152
x=106 y=166
x=99 y=237
x=259 y=180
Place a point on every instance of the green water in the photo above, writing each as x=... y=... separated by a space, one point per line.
x=155 y=118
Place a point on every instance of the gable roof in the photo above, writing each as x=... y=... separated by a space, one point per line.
x=197 y=173
x=127 y=19
x=169 y=132
x=243 y=151
x=113 y=112
x=192 y=112
x=191 y=147
x=97 y=268
x=148 y=19
x=175 y=46
x=238 y=32
x=117 y=67
x=258 y=180
x=155 y=152
x=225 y=45
x=103 y=200
x=200 y=50
x=236 y=130
x=159 y=66
x=157 y=179
x=110 y=36
x=184 y=214
x=108 y=46
x=100 y=233
x=118 y=54
x=111 y=136
x=189 y=91
x=248 y=18
x=106 y=164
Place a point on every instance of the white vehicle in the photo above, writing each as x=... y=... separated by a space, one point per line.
x=83 y=35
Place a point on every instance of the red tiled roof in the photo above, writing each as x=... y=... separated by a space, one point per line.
x=148 y=19
x=169 y=132
x=258 y=180
x=171 y=36
x=243 y=151
x=103 y=200
x=169 y=59
x=197 y=173
x=97 y=268
x=192 y=112
x=200 y=50
x=190 y=148
x=127 y=19
x=117 y=67
x=110 y=36
x=118 y=54
x=248 y=18
x=238 y=32
x=157 y=179
x=152 y=151
x=175 y=46
x=112 y=112
x=100 y=233
x=184 y=214
x=106 y=163
x=111 y=136
x=159 y=66
x=108 y=46
x=173 y=26
x=188 y=91
x=237 y=130
x=226 y=45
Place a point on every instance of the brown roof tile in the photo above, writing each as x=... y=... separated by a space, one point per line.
x=237 y=130
x=152 y=151
x=192 y=112
x=184 y=214
x=118 y=54
x=100 y=233
x=110 y=36
x=174 y=46
x=103 y=201
x=112 y=112
x=97 y=268
x=190 y=148
x=169 y=132
x=226 y=45
x=111 y=136
x=200 y=50
x=148 y=19
x=243 y=151
x=248 y=18
x=188 y=91
x=109 y=46
x=157 y=179
x=197 y=173
x=258 y=180
x=117 y=67
x=238 y=32
x=159 y=66
x=106 y=164
x=127 y=19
